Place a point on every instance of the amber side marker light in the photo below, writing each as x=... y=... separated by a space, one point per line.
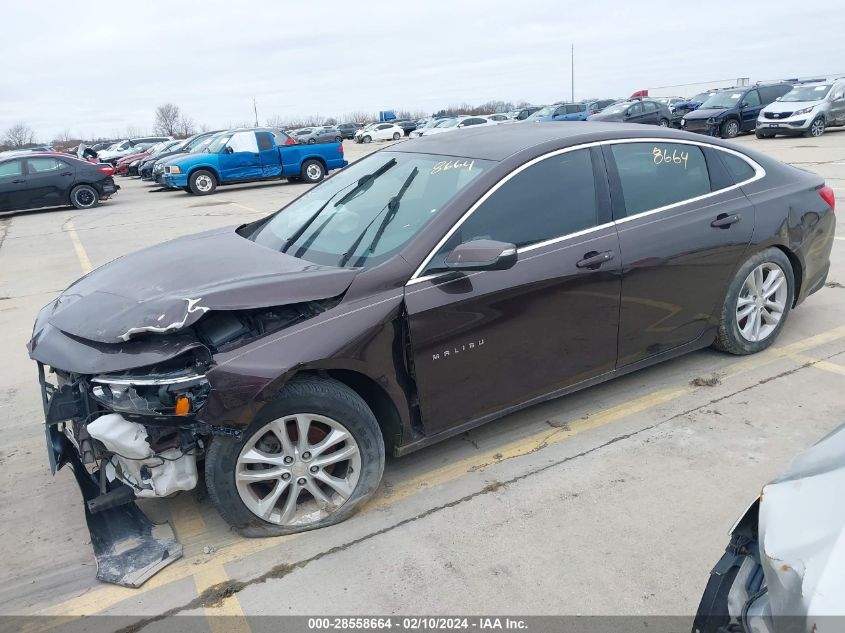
x=183 y=405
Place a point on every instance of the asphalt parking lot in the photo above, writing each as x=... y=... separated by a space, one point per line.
x=613 y=500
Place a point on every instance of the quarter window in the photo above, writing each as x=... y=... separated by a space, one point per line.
x=550 y=199
x=653 y=175
x=738 y=168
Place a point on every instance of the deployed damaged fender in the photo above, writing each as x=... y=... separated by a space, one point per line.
x=784 y=570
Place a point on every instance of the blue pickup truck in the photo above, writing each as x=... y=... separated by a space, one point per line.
x=247 y=155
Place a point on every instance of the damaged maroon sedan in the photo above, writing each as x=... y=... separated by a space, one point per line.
x=424 y=290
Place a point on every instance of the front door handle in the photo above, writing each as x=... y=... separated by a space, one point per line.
x=18 y=181
x=594 y=259
x=66 y=173
x=724 y=221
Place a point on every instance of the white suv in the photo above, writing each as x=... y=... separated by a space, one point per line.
x=807 y=109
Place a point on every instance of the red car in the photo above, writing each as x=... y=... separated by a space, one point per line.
x=128 y=165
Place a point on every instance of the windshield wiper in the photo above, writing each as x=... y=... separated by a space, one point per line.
x=365 y=182
x=712 y=107
x=391 y=207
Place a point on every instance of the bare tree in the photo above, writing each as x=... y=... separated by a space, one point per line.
x=276 y=121
x=63 y=138
x=19 y=135
x=359 y=116
x=133 y=131
x=185 y=127
x=167 y=119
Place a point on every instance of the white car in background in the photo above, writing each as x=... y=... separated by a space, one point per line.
x=498 y=117
x=379 y=132
x=430 y=123
x=450 y=125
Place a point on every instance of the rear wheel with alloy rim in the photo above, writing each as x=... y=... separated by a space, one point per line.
x=730 y=128
x=816 y=127
x=367 y=139
x=396 y=136
x=84 y=197
x=311 y=457
x=757 y=304
x=664 y=122
x=202 y=182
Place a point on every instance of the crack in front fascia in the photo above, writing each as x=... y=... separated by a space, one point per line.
x=163 y=329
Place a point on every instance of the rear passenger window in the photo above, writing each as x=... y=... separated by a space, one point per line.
x=655 y=175
x=265 y=141
x=550 y=199
x=739 y=169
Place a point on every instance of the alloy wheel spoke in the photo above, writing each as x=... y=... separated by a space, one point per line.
x=758 y=319
x=256 y=456
x=338 y=456
x=289 y=509
x=268 y=503
x=341 y=486
x=261 y=474
x=772 y=318
x=758 y=280
x=335 y=437
x=748 y=309
x=774 y=285
x=280 y=430
x=773 y=306
x=303 y=424
x=320 y=497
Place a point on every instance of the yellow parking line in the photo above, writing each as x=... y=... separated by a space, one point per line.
x=819 y=364
x=243 y=206
x=188 y=525
x=101 y=598
x=81 y=255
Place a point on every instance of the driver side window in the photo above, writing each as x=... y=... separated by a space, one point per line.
x=752 y=99
x=635 y=109
x=550 y=199
x=243 y=142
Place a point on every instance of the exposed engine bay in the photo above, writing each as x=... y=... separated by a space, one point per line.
x=138 y=433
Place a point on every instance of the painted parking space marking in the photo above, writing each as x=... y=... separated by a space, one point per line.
x=100 y=598
x=81 y=255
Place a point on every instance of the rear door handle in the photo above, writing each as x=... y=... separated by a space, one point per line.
x=723 y=221
x=18 y=181
x=594 y=259
x=66 y=173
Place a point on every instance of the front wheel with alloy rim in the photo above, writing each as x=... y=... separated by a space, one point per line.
x=367 y=139
x=664 y=122
x=396 y=136
x=202 y=182
x=730 y=128
x=312 y=171
x=84 y=197
x=757 y=304
x=816 y=127
x=311 y=457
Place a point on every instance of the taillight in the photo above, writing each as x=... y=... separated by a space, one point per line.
x=340 y=147
x=290 y=141
x=828 y=196
x=107 y=170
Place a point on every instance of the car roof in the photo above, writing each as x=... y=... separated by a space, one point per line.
x=498 y=142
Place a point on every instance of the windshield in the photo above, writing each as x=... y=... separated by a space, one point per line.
x=356 y=220
x=807 y=93
x=546 y=111
x=450 y=123
x=700 y=97
x=195 y=143
x=616 y=109
x=726 y=99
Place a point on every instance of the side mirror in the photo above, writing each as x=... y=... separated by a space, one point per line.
x=743 y=105
x=482 y=255
x=228 y=150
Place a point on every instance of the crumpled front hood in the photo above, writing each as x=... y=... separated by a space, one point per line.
x=802 y=535
x=168 y=287
x=704 y=114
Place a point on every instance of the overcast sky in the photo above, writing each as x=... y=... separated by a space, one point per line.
x=96 y=68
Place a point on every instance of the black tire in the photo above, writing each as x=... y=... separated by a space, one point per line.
x=338 y=139
x=84 y=197
x=729 y=129
x=396 y=136
x=187 y=190
x=760 y=134
x=312 y=171
x=311 y=141
x=321 y=396
x=202 y=182
x=294 y=179
x=664 y=123
x=816 y=128
x=728 y=335
x=367 y=139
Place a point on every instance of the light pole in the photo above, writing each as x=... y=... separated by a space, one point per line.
x=255 y=109
x=572 y=71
